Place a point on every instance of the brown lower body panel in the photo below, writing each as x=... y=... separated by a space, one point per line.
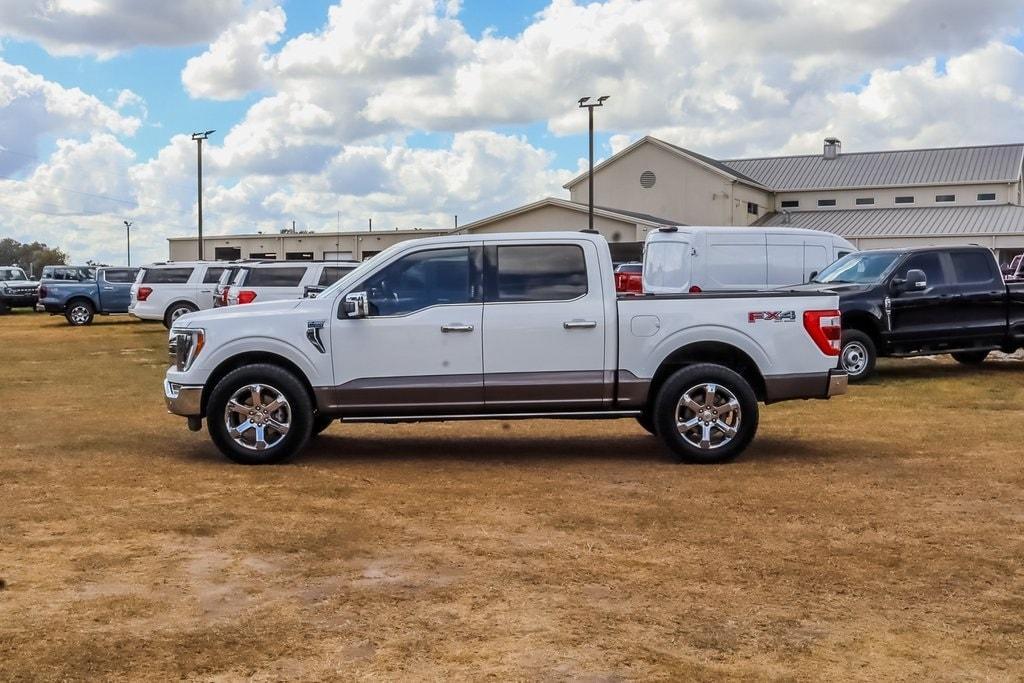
x=452 y=394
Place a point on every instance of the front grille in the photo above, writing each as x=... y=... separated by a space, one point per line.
x=22 y=291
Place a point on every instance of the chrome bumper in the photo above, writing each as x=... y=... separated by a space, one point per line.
x=183 y=400
x=837 y=383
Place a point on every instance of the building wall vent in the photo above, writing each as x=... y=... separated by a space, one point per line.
x=647 y=179
x=832 y=148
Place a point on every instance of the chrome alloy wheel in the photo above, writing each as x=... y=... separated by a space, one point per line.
x=257 y=417
x=79 y=314
x=708 y=416
x=180 y=311
x=854 y=357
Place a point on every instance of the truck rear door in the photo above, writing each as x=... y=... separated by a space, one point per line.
x=980 y=299
x=544 y=326
x=115 y=286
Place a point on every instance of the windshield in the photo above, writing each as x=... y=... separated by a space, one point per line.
x=9 y=274
x=862 y=268
x=360 y=271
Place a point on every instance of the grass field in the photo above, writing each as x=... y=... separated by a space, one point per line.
x=878 y=535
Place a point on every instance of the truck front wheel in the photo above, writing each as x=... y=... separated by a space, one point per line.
x=858 y=355
x=706 y=413
x=79 y=313
x=259 y=414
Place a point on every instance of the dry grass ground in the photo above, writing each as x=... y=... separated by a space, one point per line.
x=875 y=536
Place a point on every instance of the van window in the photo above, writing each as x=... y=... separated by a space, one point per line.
x=166 y=276
x=556 y=272
x=667 y=266
x=274 y=277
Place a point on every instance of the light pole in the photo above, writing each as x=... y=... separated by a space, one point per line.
x=128 y=236
x=199 y=137
x=586 y=103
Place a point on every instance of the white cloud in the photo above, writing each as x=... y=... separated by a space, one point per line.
x=106 y=27
x=236 y=62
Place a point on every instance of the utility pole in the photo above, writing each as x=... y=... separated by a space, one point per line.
x=456 y=222
x=128 y=236
x=590 y=176
x=371 y=224
x=199 y=137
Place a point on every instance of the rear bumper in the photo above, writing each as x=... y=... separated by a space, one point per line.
x=183 y=400
x=49 y=307
x=815 y=385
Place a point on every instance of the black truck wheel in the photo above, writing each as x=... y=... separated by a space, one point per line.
x=706 y=413
x=79 y=312
x=970 y=357
x=645 y=420
x=857 y=355
x=321 y=422
x=259 y=414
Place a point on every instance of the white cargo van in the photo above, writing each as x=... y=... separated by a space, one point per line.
x=707 y=259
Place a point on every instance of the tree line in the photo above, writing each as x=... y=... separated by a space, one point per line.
x=30 y=256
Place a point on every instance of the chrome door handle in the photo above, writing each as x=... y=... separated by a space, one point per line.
x=579 y=324
x=108 y=289
x=456 y=327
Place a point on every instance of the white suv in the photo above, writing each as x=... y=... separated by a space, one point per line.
x=167 y=291
x=284 y=280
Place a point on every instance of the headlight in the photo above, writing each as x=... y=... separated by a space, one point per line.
x=183 y=346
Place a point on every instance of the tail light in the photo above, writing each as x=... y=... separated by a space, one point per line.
x=695 y=290
x=825 y=328
x=144 y=293
x=246 y=296
x=42 y=292
x=223 y=294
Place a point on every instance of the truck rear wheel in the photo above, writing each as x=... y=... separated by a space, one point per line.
x=259 y=414
x=79 y=313
x=645 y=420
x=858 y=355
x=706 y=413
x=970 y=357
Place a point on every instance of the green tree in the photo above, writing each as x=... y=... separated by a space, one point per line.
x=32 y=257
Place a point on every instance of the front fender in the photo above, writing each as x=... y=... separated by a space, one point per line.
x=310 y=366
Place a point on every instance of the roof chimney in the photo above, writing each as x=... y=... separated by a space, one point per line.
x=832 y=148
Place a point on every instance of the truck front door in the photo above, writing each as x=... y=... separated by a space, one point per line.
x=544 y=327
x=419 y=350
x=924 y=317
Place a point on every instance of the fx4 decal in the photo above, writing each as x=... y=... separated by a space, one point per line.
x=773 y=316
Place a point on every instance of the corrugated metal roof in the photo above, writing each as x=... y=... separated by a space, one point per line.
x=994 y=163
x=931 y=221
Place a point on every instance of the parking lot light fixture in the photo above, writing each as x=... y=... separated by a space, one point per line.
x=589 y=104
x=199 y=137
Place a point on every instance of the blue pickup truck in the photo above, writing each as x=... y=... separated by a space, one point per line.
x=105 y=291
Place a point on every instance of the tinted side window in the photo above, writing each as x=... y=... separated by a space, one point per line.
x=332 y=274
x=930 y=263
x=274 y=277
x=120 y=276
x=541 y=273
x=212 y=275
x=167 y=276
x=425 y=278
x=972 y=266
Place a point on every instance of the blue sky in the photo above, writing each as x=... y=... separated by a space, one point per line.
x=412 y=110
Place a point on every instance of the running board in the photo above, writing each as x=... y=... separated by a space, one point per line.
x=567 y=415
x=939 y=352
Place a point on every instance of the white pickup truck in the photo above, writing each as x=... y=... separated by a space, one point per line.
x=499 y=326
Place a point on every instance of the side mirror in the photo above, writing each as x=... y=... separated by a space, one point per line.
x=311 y=291
x=356 y=305
x=916 y=280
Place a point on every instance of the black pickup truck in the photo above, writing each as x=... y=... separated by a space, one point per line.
x=915 y=302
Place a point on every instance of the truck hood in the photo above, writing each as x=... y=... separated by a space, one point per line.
x=842 y=289
x=20 y=283
x=228 y=313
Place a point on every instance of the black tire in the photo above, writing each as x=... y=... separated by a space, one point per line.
x=273 y=379
x=644 y=420
x=4 y=309
x=321 y=422
x=176 y=310
x=79 y=313
x=692 y=379
x=970 y=357
x=857 y=355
